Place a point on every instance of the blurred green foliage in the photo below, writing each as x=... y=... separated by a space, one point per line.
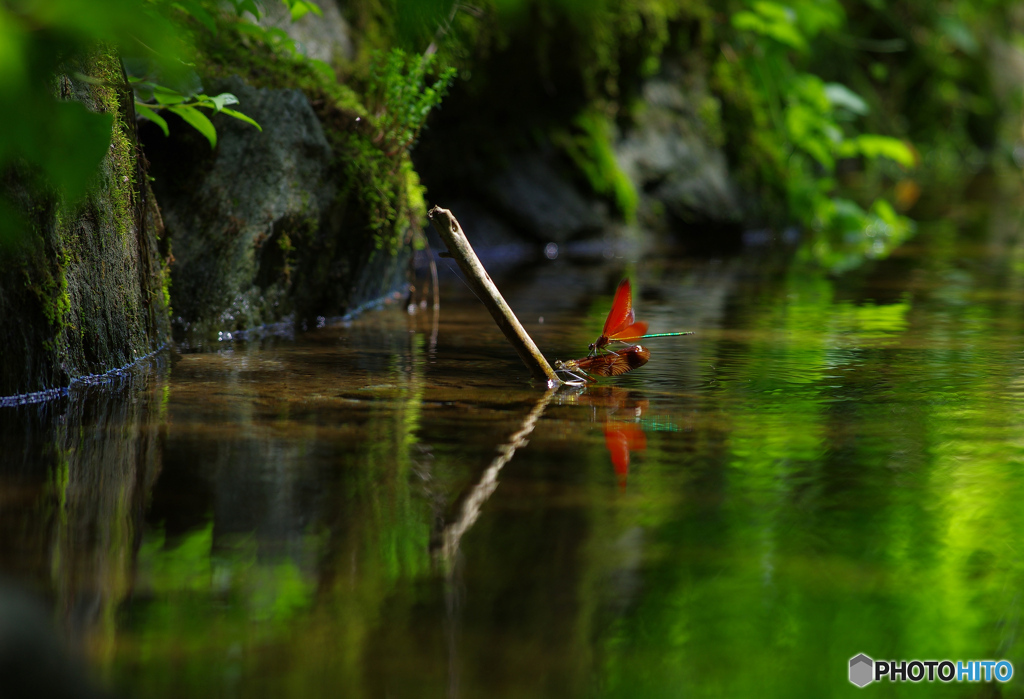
x=589 y=145
x=930 y=73
x=803 y=92
x=54 y=142
x=51 y=140
x=806 y=126
x=827 y=109
x=185 y=106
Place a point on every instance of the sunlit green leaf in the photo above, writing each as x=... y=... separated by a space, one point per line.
x=146 y=113
x=198 y=121
x=775 y=12
x=223 y=99
x=875 y=146
x=241 y=117
x=300 y=8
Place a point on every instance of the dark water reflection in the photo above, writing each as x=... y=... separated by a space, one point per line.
x=832 y=465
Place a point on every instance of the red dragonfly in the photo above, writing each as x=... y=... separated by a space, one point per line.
x=621 y=324
x=611 y=364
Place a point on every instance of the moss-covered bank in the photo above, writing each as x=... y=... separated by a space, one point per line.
x=86 y=292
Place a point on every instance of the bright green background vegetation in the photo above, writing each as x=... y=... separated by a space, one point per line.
x=831 y=112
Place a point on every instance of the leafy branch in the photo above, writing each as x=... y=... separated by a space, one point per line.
x=813 y=122
x=161 y=97
x=152 y=97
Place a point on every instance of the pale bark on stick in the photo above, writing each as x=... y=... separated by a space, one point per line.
x=476 y=276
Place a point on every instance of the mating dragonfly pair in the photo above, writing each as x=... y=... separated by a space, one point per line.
x=620 y=326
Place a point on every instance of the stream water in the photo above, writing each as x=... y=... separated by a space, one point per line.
x=832 y=465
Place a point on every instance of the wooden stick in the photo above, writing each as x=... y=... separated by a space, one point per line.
x=476 y=276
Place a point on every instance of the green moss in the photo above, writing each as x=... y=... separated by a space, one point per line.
x=378 y=173
x=416 y=193
x=81 y=300
x=589 y=145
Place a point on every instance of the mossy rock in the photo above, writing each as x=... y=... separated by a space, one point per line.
x=84 y=293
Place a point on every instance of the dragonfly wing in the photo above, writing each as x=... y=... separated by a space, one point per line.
x=631 y=332
x=621 y=316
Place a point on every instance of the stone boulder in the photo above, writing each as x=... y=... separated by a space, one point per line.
x=671 y=159
x=238 y=214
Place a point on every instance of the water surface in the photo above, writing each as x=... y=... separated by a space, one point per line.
x=832 y=464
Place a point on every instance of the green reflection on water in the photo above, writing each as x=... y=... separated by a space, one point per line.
x=831 y=465
x=870 y=504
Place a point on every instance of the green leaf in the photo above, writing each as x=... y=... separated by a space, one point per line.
x=774 y=11
x=241 y=117
x=70 y=143
x=242 y=6
x=958 y=33
x=875 y=146
x=301 y=7
x=190 y=7
x=223 y=99
x=165 y=95
x=14 y=229
x=146 y=113
x=198 y=121
x=841 y=96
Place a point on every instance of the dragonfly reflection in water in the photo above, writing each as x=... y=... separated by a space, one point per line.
x=620 y=411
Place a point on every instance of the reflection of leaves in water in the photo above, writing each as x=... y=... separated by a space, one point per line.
x=869 y=497
x=262 y=591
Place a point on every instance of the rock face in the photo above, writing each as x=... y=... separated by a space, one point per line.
x=668 y=153
x=258 y=226
x=236 y=215
x=542 y=203
x=325 y=38
x=85 y=292
x=670 y=157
